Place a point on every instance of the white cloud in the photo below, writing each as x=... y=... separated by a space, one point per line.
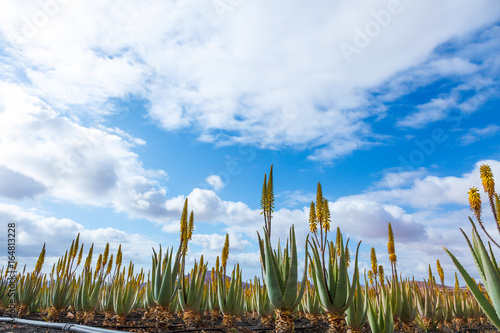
x=53 y=155
x=430 y=112
x=476 y=134
x=15 y=185
x=215 y=242
x=394 y=179
x=215 y=181
x=368 y=220
x=195 y=70
x=34 y=228
x=432 y=191
x=296 y=197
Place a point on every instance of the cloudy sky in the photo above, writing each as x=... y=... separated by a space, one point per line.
x=111 y=115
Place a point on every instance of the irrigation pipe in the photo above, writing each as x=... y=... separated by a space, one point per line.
x=69 y=327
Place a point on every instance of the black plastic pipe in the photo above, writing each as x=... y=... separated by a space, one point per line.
x=66 y=327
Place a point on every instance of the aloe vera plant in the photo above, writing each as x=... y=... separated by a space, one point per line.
x=87 y=297
x=408 y=306
x=89 y=286
x=262 y=304
x=28 y=285
x=489 y=272
x=395 y=297
x=63 y=282
x=4 y=287
x=332 y=282
x=380 y=315
x=357 y=312
x=164 y=284
x=230 y=296
x=191 y=296
x=212 y=297
x=310 y=304
x=428 y=307
x=125 y=291
x=281 y=278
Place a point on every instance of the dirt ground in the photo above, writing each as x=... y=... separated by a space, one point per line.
x=247 y=325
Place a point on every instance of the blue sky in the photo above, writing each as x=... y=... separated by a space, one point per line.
x=110 y=117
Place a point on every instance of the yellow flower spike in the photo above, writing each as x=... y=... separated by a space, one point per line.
x=267 y=201
x=326 y=215
x=313 y=223
x=440 y=272
x=337 y=243
x=63 y=263
x=319 y=205
x=41 y=259
x=475 y=202
x=270 y=193
x=88 y=261
x=347 y=257
x=370 y=276
x=76 y=245
x=99 y=263
x=497 y=208
x=130 y=269
x=373 y=259
x=71 y=249
x=381 y=274
x=390 y=245
x=119 y=256
x=105 y=256
x=80 y=254
x=263 y=197
x=392 y=251
x=487 y=179
x=184 y=221
x=110 y=265
x=190 y=228
x=68 y=265
x=225 y=251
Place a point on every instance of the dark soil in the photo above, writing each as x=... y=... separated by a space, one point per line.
x=247 y=325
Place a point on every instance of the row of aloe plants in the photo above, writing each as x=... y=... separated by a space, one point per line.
x=325 y=292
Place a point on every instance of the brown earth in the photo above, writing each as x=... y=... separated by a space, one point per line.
x=247 y=325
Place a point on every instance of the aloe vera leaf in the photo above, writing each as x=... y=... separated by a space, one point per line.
x=492 y=279
x=319 y=280
x=304 y=280
x=271 y=273
x=232 y=294
x=488 y=309
x=373 y=318
x=341 y=288
x=493 y=259
x=290 y=294
x=388 y=320
x=355 y=277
